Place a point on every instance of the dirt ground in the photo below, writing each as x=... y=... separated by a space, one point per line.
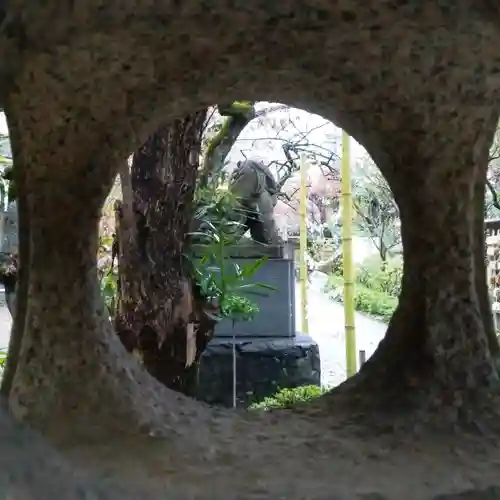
x=293 y=457
x=319 y=452
x=310 y=454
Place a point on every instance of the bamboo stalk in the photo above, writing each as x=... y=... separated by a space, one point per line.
x=347 y=216
x=303 y=244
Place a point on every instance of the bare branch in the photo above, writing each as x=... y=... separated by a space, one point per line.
x=271 y=109
x=303 y=135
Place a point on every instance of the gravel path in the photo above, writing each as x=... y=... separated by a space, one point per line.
x=5 y=321
x=326 y=327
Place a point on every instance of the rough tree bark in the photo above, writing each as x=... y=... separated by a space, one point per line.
x=157 y=309
x=156 y=317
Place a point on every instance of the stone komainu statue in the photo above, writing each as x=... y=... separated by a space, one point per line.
x=256 y=189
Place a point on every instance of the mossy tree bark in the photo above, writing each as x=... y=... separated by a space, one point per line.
x=238 y=115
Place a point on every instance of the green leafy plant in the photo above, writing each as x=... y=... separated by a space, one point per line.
x=222 y=282
x=220 y=208
x=107 y=274
x=238 y=308
x=381 y=276
x=377 y=288
x=369 y=301
x=109 y=290
x=287 y=398
x=3 y=358
x=375 y=303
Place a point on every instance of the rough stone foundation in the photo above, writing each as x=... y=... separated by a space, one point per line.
x=263 y=367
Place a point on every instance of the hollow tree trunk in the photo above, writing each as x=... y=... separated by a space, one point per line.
x=436 y=344
x=77 y=351
x=74 y=379
x=160 y=311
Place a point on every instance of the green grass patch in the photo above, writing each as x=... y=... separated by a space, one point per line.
x=366 y=300
x=3 y=357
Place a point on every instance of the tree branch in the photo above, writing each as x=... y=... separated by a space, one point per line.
x=237 y=115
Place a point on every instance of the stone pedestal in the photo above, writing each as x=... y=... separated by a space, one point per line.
x=263 y=366
x=276 y=316
x=269 y=354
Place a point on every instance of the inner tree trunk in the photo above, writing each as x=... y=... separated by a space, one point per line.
x=157 y=303
x=74 y=379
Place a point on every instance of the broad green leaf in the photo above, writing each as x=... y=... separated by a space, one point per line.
x=254 y=293
x=201 y=234
x=252 y=267
x=259 y=285
x=213 y=316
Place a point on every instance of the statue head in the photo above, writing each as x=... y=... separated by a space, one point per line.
x=255 y=187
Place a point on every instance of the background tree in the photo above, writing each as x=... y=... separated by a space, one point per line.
x=377 y=215
x=160 y=315
x=225 y=123
x=155 y=310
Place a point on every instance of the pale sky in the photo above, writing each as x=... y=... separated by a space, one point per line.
x=3 y=124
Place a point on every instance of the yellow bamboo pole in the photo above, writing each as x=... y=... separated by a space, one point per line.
x=347 y=216
x=303 y=243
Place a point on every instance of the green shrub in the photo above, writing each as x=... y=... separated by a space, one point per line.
x=366 y=300
x=108 y=274
x=382 y=277
x=287 y=398
x=3 y=358
x=374 y=302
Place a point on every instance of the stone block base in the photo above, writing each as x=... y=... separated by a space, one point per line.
x=263 y=366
